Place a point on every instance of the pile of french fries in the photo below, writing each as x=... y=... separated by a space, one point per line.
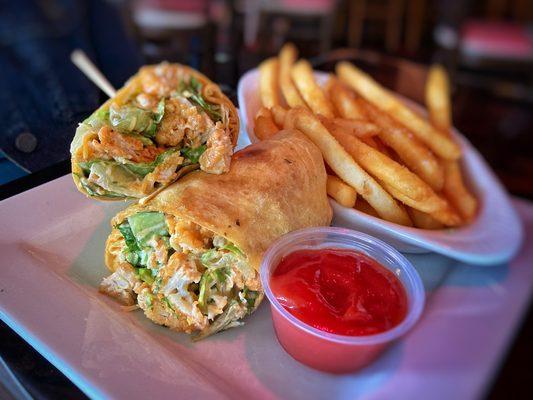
x=382 y=158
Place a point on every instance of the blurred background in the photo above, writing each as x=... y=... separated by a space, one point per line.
x=486 y=45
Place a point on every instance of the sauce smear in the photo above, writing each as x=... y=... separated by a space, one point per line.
x=339 y=291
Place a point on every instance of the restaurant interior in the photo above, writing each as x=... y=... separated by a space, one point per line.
x=486 y=46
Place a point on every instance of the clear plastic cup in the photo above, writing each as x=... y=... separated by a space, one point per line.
x=326 y=351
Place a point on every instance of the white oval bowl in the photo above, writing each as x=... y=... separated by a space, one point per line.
x=493 y=238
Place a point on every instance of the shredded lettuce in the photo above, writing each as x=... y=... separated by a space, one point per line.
x=149 y=300
x=209 y=257
x=132 y=257
x=193 y=155
x=168 y=303
x=112 y=177
x=251 y=297
x=128 y=236
x=98 y=118
x=139 y=169
x=228 y=319
x=205 y=286
x=234 y=249
x=146 y=225
x=192 y=90
x=131 y=119
x=146 y=275
x=94 y=192
x=143 y=169
x=160 y=111
x=210 y=278
x=137 y=230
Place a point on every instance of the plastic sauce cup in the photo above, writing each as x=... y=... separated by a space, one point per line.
x=323 y=350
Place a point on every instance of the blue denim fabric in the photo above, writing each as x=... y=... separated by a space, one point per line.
x=41 y=91
x=8 y=170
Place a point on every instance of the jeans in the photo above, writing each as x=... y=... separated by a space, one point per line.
x=43 y=96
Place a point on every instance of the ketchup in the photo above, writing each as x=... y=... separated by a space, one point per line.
x=339 y=291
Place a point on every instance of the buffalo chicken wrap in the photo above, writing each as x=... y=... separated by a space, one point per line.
x=190 y=256
x=167 y=120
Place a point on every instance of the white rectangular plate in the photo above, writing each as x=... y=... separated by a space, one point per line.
x=51 y=245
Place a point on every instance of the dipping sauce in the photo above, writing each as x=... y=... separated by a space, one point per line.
x=339 y=291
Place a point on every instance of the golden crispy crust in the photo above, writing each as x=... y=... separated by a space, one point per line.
x=273 y=187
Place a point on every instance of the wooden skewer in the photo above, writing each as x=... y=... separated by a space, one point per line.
x=80 y=59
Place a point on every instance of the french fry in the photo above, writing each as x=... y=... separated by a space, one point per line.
x=269 y=82
x=376 y=143
x=342 y=193
x=380 y=97
x=344 y=101
x=264 y=112
x=357 y=127
x=445 y=214
x=384 y=149
x=279 y=114
x=363 y=206
x=264 y=126
x=303 y=78
x=455 y=190
x=345 y=167
x=371 y=141
x=422 y=220
x=390 y=172
x=287 y=57
x=438 y=98
x=328 y=85
x=439 y=108
x=416 y=156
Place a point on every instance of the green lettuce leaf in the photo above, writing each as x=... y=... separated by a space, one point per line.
x=229 y=318
x=251 y=297
x=140 y=169
x=131 y=119
x=129 y=237
x=234 y=249
x=146 y=225
x=209 y=257
x=98 y=192
x=192 y=90
x=146 y=275
x=98 y=118
x=193 y=155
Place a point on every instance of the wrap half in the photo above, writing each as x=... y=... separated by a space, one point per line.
x=190 y=256
x=167 y=120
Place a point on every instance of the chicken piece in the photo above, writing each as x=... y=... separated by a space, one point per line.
x=170 y=303
x=159 y=312
x=147 y=101
x=121 y=284
x=159 y=255
x=161 y=80
x=216 y=158
x=217 y=307
x=112 y=144
x=182 y=120
x=188 y=236
x=164 y=173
